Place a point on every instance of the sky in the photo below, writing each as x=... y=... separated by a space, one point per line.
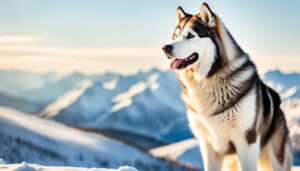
x=93 y=36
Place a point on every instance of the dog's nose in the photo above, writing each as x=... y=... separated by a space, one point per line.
x=167 y=48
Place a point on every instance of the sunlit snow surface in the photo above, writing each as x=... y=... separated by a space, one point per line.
x=36 y=140
x=34 y=167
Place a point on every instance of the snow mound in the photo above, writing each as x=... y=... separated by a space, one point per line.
x=2 y=162
x=34 y=167
x=126 y=168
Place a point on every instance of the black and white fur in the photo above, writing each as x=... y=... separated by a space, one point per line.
x=235 y=116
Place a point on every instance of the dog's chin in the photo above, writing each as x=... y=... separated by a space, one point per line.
x=186 y=63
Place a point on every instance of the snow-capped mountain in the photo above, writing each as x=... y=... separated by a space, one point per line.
x=51 y=91
x=28 y=138
x=149 y=109
x=96 y=100
x=286 y=84
x=64 y=100
x=146 y=100
x=41 y=89
x=17 y=83
x=37 y=89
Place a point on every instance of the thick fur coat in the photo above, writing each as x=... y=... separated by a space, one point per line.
x=235 y=116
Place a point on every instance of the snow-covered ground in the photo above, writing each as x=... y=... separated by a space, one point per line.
x=34 y=167
x=28 y=138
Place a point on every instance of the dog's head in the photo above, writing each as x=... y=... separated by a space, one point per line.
x=193 y=45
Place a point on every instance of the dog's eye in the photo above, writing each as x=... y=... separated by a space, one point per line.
x=189 y=36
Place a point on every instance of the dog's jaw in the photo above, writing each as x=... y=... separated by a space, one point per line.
x=192 y=73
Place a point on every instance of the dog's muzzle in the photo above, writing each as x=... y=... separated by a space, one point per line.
x=168 y=50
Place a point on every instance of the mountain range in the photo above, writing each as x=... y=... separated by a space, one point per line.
x=112 y=103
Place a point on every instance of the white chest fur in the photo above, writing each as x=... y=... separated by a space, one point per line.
x=220 y=129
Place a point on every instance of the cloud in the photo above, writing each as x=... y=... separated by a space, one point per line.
x=266 y=62
x=101 y=52
x=127 y=59
x=19 y=39
x=23 y=53
x=66 y=65
x=28 y=53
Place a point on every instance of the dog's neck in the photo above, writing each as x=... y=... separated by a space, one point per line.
x=228 y=47
x=224 y=52
x=220 y=91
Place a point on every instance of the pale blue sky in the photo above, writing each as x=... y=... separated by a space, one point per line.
x=53 y=28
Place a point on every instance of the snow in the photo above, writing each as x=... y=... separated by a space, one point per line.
x=34 y=167
x=97 y=101
x=148 y=105
x=289 y=93
x=133 y=90
x=121 y=105
x=286 y=84
x=2 y=162
x=126 y=168
x=110 y=85
x=147 y=98
x=65 y=100
x=125 y=99
x=33 y=137
x=186 y=151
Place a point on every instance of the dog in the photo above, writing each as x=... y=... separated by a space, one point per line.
x=235 y=117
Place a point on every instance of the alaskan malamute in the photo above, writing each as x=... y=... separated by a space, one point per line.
x=234 y=115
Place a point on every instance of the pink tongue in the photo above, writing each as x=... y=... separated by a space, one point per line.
x=175 y=63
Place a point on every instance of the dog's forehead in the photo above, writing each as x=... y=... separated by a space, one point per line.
x=193 y=23
x=182 y=23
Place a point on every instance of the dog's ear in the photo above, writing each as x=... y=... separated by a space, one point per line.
x=206 y=15
x=180 y=14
